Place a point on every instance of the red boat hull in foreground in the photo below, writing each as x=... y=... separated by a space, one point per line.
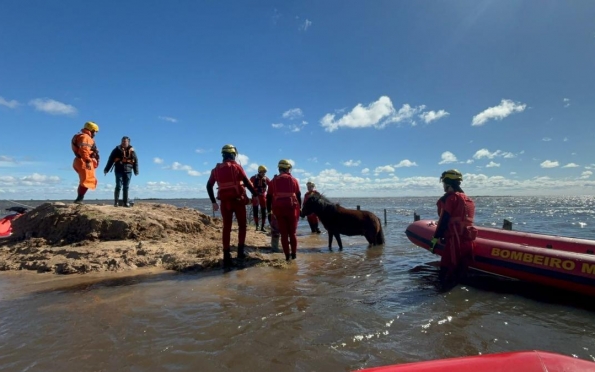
x=523 y=361
x=554 y=261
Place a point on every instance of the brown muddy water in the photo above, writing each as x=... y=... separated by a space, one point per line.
x=330 y=311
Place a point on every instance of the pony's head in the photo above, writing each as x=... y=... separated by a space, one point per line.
x=314 y=204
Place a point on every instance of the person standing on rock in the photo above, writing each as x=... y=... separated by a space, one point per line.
x=232 y=183
x=86 y=159
x=124 y=161
x=284 y=200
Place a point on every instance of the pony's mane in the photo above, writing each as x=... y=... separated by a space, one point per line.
x=324 y=201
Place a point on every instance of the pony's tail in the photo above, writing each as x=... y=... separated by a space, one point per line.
x=380 y=236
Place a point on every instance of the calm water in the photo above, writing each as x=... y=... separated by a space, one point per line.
x=336 y=311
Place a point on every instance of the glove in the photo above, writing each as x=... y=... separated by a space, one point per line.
x=136 y=173
x=433 y=243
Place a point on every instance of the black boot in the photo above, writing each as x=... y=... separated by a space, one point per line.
x=116 y=197
x=241 y=254
x=293 y=256
x=79 y=199
x=226 y=260
x=287 y=257
x=125 y=198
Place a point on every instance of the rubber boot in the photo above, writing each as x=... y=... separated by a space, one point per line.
x=287 y=257
x=125 y=198
x=116 y=197
x=275 y=243
x=79 y=199
x=226 y=260
x=241 y=254
x=293 y=256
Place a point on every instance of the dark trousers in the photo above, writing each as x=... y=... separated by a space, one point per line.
x=122 y=183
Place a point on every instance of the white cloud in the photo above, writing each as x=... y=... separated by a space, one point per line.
x=430 y=116
x=565 y=139
x=185 y=168
x=513 y=173
x=447 y=157
x=52 y=107
x=566 y=102
x=384 y=169
x=292 y=114
x=571 y=165
x=549 y=164
x=277 y=125
x=406 y=163
x=365 y=170
x=10 y=104
x=352 y=163
x=485 y=153
x=508 y=155
x=34 y=179
x=546 y=139
x=167 y=118
x=242 y=159
x=306 y=25
x=377 y=114
x=7 y=161
x=157 y=160
x=492 y=164
x=504 y=109
x=585 y=175
x=200 y=151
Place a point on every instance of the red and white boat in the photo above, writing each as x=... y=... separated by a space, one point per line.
x=556 y=261
x=521 y=361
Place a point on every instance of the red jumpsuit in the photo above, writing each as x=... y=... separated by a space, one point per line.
x=285 y=191
x=232 y=194
x=260 y=184
x=455 y=225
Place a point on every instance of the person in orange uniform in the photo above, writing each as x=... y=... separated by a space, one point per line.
x=455 y=229
x=284 y=200
x=260 y=182
x=231 y=181
x=312 y=218
x=86 y=159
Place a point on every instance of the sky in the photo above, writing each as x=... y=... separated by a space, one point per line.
x=365 y=98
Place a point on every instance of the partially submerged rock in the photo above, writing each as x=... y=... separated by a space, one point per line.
x=70 y=238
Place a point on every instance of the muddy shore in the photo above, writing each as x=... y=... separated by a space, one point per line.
x=68 y=238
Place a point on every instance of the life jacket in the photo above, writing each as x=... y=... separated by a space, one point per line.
x=127 y=157
x=260 y=184
x=79 y=141
x=284 y=191
x=228 y=184
x=460 y=223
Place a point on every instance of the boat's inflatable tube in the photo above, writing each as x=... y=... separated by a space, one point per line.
x=522 y=361
x=555 y=261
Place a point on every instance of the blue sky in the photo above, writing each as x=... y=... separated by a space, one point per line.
x=366 y=98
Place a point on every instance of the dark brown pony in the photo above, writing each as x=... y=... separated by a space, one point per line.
x=342 y=221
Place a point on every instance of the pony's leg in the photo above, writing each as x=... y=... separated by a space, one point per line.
x=330 y=241
x=338 y=237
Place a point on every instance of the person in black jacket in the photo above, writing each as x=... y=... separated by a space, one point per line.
x=123 y=159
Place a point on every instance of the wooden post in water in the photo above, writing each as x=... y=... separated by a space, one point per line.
x=415 y=216
x=507 y=225
x=385 y=217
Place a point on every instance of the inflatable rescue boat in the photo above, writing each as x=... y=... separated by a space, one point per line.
x=521 y=361
x=556 y=261
x=6 y=221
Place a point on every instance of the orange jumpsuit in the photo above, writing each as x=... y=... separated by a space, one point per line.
x=86 y=158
